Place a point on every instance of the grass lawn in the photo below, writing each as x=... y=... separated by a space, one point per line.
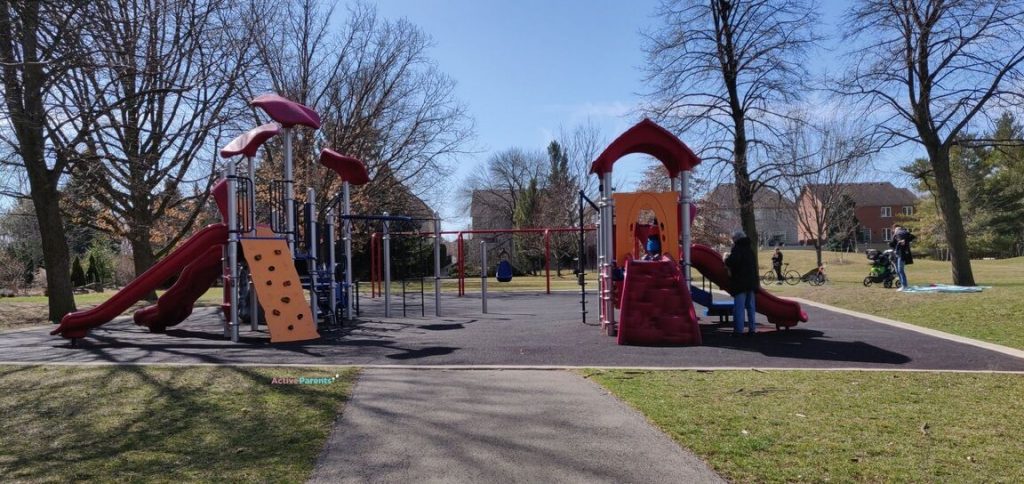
x=167 y=424
x=805 y=426
x=20 y=312
x=995 y=315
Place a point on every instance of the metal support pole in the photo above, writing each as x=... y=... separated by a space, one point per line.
x=462 y=265
x=311 y=247
x=547 y=259
x=684 y=205
x=254 y=304
x=387 y=267
x=607 y=231
x=347 y=234
x=289 y=191
x=233 y=250
x=332 y=265
x=437 y=264
x=581 y=276
x=483 y=276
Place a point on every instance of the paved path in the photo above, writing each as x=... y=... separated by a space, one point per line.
x=406 y=425
x=521 y=329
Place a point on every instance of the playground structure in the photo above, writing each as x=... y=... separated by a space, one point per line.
x=279 y=261
x=268 y=268
x=655 y=297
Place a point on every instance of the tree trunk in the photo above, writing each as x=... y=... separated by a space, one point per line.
x=949 y=205
x=60 y=295
x=142 y=256
x=817 y=251
x=744 y=192
x=24 y=98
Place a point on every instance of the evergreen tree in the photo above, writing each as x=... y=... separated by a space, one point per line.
x=77 y=274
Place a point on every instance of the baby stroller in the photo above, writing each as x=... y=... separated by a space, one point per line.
x=883 y=269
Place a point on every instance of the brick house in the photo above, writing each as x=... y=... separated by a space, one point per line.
x=878 y=205
x=774 y=214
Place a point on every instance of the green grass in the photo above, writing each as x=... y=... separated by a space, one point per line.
x=132 y=423
x=806 y=426
x=993 y=315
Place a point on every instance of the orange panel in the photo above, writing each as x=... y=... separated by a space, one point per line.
x=665 y=206
x=280 y=293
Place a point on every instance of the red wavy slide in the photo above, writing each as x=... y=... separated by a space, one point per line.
x=780 y=312
x=175 y=305
x=78 y=324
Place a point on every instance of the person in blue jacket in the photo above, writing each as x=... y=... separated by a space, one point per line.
x=652 y=247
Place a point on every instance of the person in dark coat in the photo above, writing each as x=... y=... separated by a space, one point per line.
x=900 y=243
x=777 y=264
x=743 y=281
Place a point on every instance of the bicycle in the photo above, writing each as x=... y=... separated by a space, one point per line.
x=790 y=276
x=815 y=277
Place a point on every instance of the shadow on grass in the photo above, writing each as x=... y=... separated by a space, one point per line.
x=141 y=423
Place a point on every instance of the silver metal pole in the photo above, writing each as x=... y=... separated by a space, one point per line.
x=684 y=205
x=233 y=250
x=289 y=191
x=437 y=264
x=332 y=264
x=254 y=305
x=607 y=218
x=346 y=233
x=387 y=268
x=311 y=249
x=483 y=275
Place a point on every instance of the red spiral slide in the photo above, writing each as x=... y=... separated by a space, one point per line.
x=78 y=324
x=780 y=312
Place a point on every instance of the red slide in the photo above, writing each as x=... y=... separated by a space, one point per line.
x=656 y=305
x=175 y=305
x=780 y=312
x=78 y=324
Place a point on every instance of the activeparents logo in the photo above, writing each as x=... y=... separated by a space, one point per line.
x=303 y=380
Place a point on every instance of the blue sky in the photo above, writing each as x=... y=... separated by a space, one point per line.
x=527 y=68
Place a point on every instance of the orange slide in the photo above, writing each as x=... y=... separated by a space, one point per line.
x=78 y=324
x=780 y=312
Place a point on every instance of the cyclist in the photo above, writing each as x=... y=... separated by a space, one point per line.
x=777 y=265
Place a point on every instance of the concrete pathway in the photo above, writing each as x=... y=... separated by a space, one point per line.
x=408 y=425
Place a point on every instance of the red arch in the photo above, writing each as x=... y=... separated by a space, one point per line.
x=648 y=138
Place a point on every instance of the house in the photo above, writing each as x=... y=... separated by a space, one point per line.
x=877 y=206
x=774 y=214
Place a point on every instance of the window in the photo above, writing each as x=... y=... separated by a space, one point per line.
x=908 y=210
x=865 y=234
x=886 y=212
x=886 y=234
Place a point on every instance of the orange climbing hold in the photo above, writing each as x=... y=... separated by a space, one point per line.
x=280 y=294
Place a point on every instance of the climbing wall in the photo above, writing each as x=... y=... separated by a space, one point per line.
x=280 y=293
x=656 y=307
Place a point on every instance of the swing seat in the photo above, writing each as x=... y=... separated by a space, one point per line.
x=504 y=271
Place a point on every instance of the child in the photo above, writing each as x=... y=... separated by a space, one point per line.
x=653 y=247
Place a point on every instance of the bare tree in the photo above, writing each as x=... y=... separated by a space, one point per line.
x=380 y=96
x=828 y=154
x=39 y=47
x=929 y=69
x=163 y=80
x=495 y=188
x=725 y=72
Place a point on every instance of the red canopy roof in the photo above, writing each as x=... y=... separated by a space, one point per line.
x=248 y=142
x=347 y=167
x=288 y=113
x=648 y=138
